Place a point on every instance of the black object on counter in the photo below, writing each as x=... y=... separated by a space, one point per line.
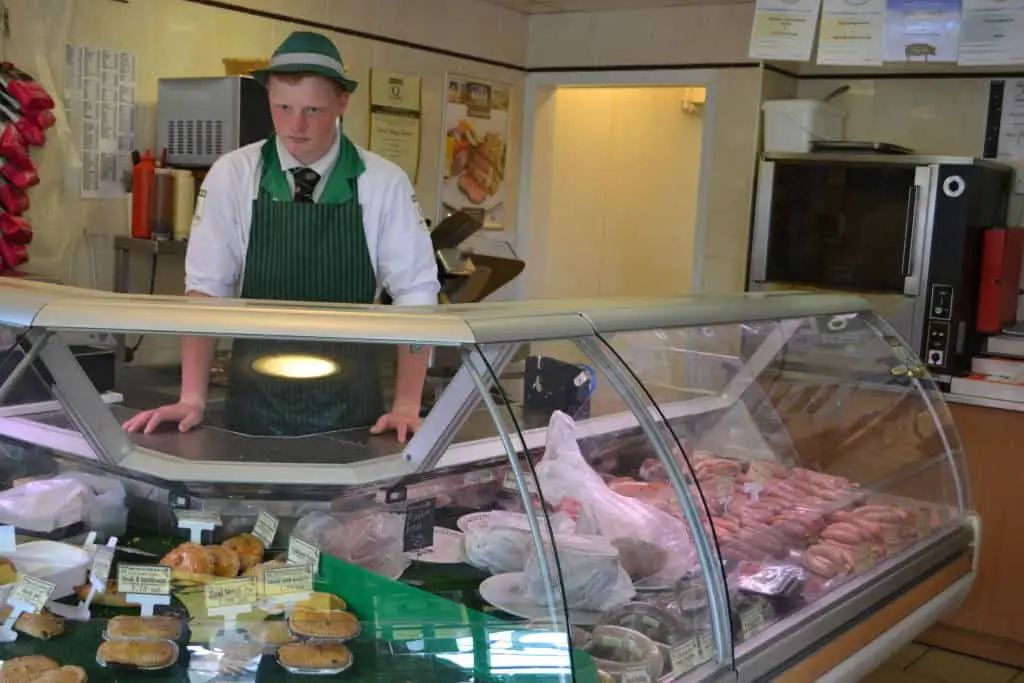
x=419 y=525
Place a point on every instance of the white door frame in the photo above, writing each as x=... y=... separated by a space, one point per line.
x=535 y=82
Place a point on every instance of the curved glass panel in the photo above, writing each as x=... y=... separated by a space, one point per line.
x=823 y=458
x=628 y=568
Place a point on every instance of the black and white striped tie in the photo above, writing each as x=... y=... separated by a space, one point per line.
x=305 y=182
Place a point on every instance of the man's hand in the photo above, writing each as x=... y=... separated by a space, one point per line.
x=402 y=422
x=186 y=415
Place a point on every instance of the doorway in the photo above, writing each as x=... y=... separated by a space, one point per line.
x=612 y=195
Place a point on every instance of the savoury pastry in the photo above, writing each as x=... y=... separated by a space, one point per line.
x=26 y=669
x=249 y=548
x=144 y=628
x=258 y=569
x=109 y=598
x=65 y=674
x=226 y=561
x=319 y=624
x=314 y=655
x=144 y=654
x=271 y=633
x=189 y=557
x=323 y=602
x=44 y=625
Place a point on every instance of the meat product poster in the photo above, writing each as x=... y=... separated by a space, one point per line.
x=475 y=147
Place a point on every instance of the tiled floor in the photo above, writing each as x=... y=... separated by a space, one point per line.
x=920 y=664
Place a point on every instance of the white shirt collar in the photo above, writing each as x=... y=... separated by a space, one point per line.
x=324 y=165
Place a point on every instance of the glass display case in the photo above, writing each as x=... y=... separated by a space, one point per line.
x=750 y=487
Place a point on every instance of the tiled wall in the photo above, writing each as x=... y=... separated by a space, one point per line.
x=178 y=38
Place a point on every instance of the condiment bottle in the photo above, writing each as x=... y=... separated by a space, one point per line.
x=143 y=178
x=162 y=206
x=184 y=203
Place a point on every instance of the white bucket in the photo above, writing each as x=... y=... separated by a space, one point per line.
x=791 y=125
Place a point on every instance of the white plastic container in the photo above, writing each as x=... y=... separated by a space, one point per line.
x=63 y=565
x=791 y=125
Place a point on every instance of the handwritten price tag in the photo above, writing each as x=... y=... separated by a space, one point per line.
x=636 y=676
x=685 y=657
x=303 y=552
x=197 y=517
x=231 y=593
x=509 y=482
x=143 y=579
x=31 y=592
x=266 y=528
x=101 y=564
x=297 y=579
x=752 y=621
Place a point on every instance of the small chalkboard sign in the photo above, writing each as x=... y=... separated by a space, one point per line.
x=419 y=525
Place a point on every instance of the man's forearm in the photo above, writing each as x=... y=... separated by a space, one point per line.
x=196 y=360
x=412 y=373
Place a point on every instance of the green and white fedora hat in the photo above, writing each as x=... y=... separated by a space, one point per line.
x=307 y=52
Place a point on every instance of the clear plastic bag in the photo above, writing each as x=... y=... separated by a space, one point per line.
x=500 y=543
x=372 y=541
x=646 y=535
x=45 y=505
x=592 y=577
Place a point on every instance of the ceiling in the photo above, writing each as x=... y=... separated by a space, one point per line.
x=556 y=6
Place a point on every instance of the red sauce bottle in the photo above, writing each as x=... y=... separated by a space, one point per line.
x=143 y=179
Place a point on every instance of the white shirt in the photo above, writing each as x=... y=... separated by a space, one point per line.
x=398 y=239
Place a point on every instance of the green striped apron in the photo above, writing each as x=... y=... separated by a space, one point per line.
x=311 y=252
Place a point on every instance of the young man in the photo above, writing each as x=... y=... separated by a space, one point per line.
x=305 y=216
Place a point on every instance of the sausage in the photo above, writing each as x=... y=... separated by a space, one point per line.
x=839 y=555
x=890 y=511
x=819 y=565
x=842 y=535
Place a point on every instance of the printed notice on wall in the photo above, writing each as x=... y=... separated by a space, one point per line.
x=99 y=96
x=922 y=30
x=395 y=119
x=1004 y=134
x=784 y=29
x=852 y=32
x=992 y=33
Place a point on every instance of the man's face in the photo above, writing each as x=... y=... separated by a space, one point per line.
x=304 y=110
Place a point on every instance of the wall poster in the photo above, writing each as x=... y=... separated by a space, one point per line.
x=99 y=96
x=476 y=127
x=395 y=104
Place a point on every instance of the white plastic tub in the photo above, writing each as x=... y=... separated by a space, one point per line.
x=63 y=565
x=791 y=125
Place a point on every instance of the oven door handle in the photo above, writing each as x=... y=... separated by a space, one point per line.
x=914 y=236
x=907 y=256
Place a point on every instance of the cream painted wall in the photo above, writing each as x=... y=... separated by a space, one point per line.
x=178 y=38
x=622 y=197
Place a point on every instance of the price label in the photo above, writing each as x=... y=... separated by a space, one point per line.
x=724 y=487
x=266 y=528
x=143 y=579
x=759 y=472
x=32 y=592
x=101 y=564
x=509 y=482
x=419 y=525
x=707 y=647
x=685 y=657
x=303 y=552
x=477 y=478
x=752 y=621
x=636 y=676
x=8 y=543
x=231 y=593
x=197 y=517
x=924 y=526
x=285 y=580
x=863 y=557
x=891 y=535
